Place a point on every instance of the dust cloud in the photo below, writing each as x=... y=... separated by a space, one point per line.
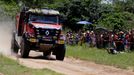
x=6 y=26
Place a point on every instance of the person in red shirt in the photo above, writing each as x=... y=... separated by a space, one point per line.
x=115 y=40
x=132 y=40
x=119 y=41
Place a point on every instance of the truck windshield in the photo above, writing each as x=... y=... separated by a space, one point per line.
x=44 y=19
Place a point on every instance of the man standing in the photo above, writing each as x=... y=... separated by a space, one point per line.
x=132 y=40
x=121 y=38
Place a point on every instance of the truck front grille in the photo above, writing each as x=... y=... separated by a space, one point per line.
x=47 y=32
x=47 y=35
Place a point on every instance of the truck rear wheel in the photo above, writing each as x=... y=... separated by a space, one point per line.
x=24 y=48
x=14 y=45
x=60 y=52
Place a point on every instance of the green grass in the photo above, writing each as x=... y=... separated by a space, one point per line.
x=11 y=67
x=101 y=56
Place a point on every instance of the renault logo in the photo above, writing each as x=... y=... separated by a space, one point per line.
x=47 y=32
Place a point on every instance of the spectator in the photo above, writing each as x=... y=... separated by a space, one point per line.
x=105 y=40
x=77 y=38
x=82 y=38
x=88 y=38
x=93 y=39
x=127 y=36
x=132 y=40
x=120 y=42
x=67 y=37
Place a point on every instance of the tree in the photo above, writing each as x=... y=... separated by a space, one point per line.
x=110 y=15
x=124 y=5
x=9 y=6
x=76 y=10
x=93 y=9
x=117 y=21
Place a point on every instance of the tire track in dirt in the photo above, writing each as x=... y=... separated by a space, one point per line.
x=69 y=66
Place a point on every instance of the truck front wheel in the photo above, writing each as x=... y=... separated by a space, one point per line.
x=60 y=52
x=14 y=45
x=24 y=48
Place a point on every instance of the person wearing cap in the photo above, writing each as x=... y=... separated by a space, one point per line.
x=121 y=38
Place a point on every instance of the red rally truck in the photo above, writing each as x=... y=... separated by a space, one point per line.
x=38 y=30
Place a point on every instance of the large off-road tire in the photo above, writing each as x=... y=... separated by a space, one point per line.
x=60 y=52
x=24 y=48
x=14 y=45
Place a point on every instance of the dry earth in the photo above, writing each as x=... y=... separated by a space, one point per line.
x=1 y=74
x=69 y=66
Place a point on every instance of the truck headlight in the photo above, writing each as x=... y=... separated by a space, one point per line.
x=33 y=40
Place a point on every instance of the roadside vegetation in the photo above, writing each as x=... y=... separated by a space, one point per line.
x=101 y=56
x=11 y=67
x=111 y=14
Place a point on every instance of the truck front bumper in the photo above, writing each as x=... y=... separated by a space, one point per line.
x=34 y=40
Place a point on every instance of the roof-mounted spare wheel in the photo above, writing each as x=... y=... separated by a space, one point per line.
x=44 y=11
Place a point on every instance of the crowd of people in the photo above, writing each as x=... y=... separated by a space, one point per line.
x=112 y=41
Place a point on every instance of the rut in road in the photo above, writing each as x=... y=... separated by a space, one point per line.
x=68 y=67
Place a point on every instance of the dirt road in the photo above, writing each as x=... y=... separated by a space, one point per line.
x=69 y=66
